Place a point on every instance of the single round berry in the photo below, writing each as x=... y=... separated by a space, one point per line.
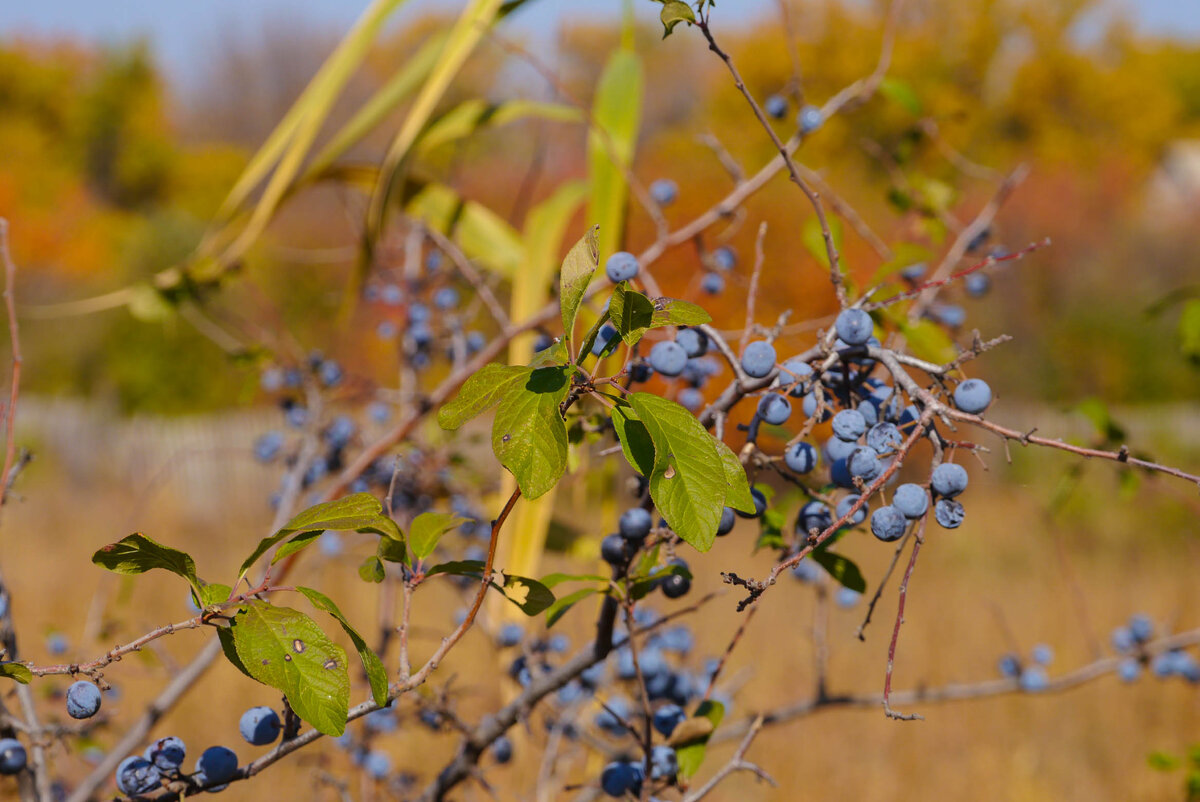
x=694 y=342
x=268 y=446
x=864 y=462
x=1034 y=679
x=800 y=457
x=948 y=479
x=675 y=585
x=1042 y=654
x=911 y=500
x=446 y=298
x=1129 y=669
x=810 y=405
x=509 y=635
x=849 y=425
x=776 y=106
x=728 y=519
x=603 y=337
x=807 y=571
x=260 y=726
x=760 y=504
x=854 y=326
x=794 y=374
x=774 y=409
x=813 y=515
x=615 y=549
x=973 y=396
x=1141 y=627
x=713 y=283
x=977 y=285
x=869 y=413
x=758 y=359
x=667 y=718
x=664 y=191
x=621 y=266
x=377 y=764
x=635 y=524
x=166 y=754
x=888 y=523
x=836 y=449
x=1010 y=666
x=846 y=597
x=136 y=775
x=668 y=358
x=690 y=399
x=948 y=513
x=724 y=258
x=844 y=506
x=664 y=763
x=884 y=437
x=620 y=778
x=83 y=700
x=1122 y=639
x=502 y=749
x=12 y=756
x=218 y=764
x=809 y=119
x=950 y=315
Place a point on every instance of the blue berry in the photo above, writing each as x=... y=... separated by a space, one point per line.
x=136 y=775
x=713 y=283
x=911 y=500
x=950 y=315
x=330 y=373
x=846 y=597
x=383 y=720
x=1123 y=640
x=694 y=342
x=166 y=754
x=664 y=763
x=691 y=399
x=864 y=462
x=667 y=718
x=56 y=644
x=914 y=271
x=758 y=359
x=948 y=513
x=476 y=340
x=377 y=764
x=603 y=337
x=1034 y=679
x=1129 y=669
x=724 y=258
x=973 y=396
x=635 y=523
x=664 y=191
x=509 y=635
x=12 y=756
x=776 y=106
x=433 y=261
x=615 y=549
x=760 y=504
x=446 y=298
x=794 y=374
x=271 y=380
x=668 y=358
x=948 y=479
x=888 y=523
x=502 y=749
x=800 y=457
x=844 y=506
x=809 y=405
x=884 y=437
x=620 y=778
x=1042 y=654
x=392 y=295
x=621 y=266
x=774 y=409
x=869 y=413
x=418 y=313
x=339 y=432
x=1141 y=627
x=83 y=700
x=977 y=284
x=1010 y=666
x=813 y=515
x=854 y=326
x=908 y=419
x=260 y=726
x=728 y=519
x=807 y=571
x=675 y=586
x=809 y=119
x=849 y=425
x=268 y=446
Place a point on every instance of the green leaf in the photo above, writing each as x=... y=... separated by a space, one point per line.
x=577 y=270
x=371 y=570
x=475 y=114
x=18 y=671
x=901 y=94
x=635 y=439
x=138 y=554
x=589 y=339
x=285 y=649
x=225 y=636
x=927 y=340
x=738 y=493
x=427 y=529
x=814 y=239
x=674 y=12
x=1189 y=330
x=1163 y=761
x=479 y=393
x=632 y=313
x=528 y=594
x=674 y=312
x=376 y=673
x=770 y=534
x=688 y=483
x=212 y=594
x=298 y=543
x=458 y=568
x=555 y=579
x=690 y=738
x=358 y=512
x=841 y=569
x=560 y=606
x=391 y=551
x=529 y=436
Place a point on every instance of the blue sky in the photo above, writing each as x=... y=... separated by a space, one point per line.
x=182 y=30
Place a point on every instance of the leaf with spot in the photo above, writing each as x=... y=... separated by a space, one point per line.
x=376 y=673
x=691 y=737
x=577 y=271
x=688 y=483
x=358 y=512
x=531 y=596
x=285 y=649
x=480 y=393
x=427 y=529
x=138 y=554
x=529 y=435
